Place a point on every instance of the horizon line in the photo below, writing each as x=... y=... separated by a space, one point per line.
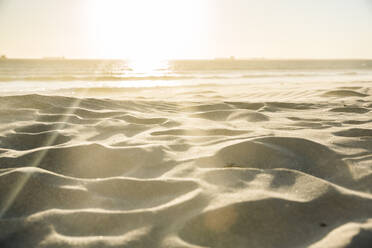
x=231 y=58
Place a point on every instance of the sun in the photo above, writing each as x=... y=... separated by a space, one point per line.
x=146 y=30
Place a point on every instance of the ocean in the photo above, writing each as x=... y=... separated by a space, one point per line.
x=41 y=75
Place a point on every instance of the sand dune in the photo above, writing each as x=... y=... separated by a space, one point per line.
x=199 y=166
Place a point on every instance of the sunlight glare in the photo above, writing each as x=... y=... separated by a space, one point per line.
x=148 y=66
x=146 y=30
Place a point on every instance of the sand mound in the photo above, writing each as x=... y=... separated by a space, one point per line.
x=282 y=152
x=25 y=141
x=355 y=110
x=348 y=235
x=272 y=220
x=216 y=115
x=45 y=190
x=247 y=105
x=249 y=116
x=344 y=93
x=355 y=132
x=200 y=132
x=92 y=161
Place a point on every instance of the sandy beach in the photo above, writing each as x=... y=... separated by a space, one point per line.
x=185 y=124
x=197 y=166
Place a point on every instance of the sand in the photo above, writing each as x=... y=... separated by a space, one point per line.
x=281 y=165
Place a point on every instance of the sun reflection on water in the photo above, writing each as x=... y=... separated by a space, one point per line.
x=149 y=67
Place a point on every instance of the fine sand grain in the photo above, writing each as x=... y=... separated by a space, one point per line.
x=281 y=165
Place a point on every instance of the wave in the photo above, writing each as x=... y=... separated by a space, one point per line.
x=148 y=78
x=280 y=75
x=91 y=78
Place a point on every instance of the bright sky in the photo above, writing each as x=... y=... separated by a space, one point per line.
x=154 y=29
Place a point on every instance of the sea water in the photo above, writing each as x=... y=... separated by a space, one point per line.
x=41 y=75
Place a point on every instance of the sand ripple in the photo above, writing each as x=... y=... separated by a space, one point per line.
x=243 y=168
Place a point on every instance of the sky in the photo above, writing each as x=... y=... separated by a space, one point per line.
x=186 y=29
